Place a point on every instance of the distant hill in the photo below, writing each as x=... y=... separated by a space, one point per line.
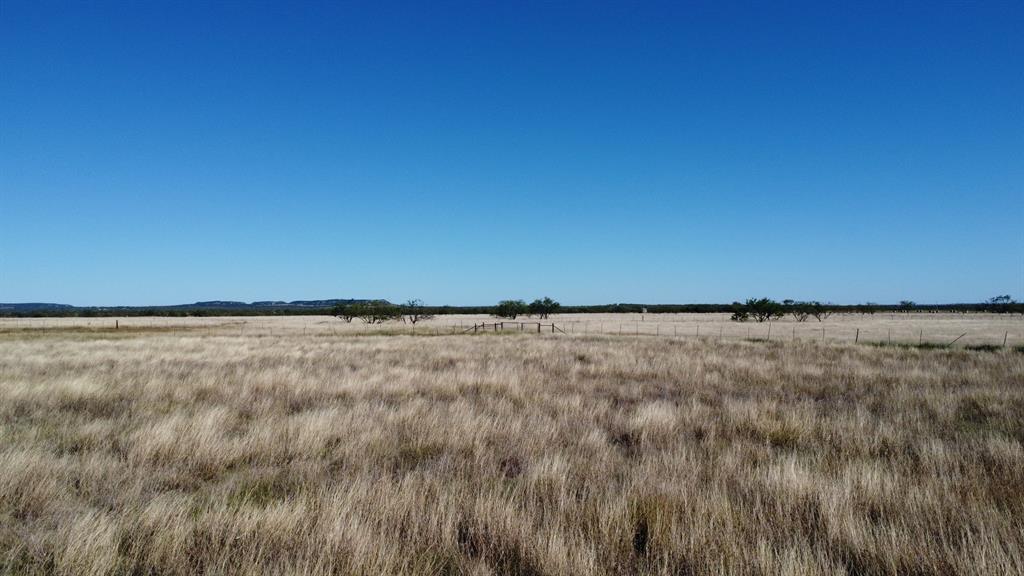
x=313 y=307
x=270 y=303
x=208 y=307
x=33 y=307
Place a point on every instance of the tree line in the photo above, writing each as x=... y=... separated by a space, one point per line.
x=766 y=309
x=413 y=311
x=382 y=310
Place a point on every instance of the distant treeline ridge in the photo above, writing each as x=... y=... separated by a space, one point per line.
x=327 y=307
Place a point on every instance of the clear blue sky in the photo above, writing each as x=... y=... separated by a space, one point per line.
x=167 y=152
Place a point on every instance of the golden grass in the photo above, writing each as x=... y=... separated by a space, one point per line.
x=185 y=453
x=928 y=328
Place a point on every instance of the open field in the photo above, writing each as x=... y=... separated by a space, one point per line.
x=301 y=446
x=973 y=329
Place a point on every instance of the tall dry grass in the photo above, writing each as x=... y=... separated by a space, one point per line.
x=967 y=329
x=182 y=453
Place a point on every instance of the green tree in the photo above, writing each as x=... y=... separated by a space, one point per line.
x=510 y=309
x=763 y=309
x=415 y=311
x=378 y=312
x=1003 y=303
x=739 y=313
x=799 y=310
x=544 y=306
x=818 y=310
x=345 y=311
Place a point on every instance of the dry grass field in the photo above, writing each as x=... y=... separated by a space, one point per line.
x=205 y=449
x=973 y=329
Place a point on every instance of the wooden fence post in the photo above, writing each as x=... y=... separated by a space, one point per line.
x=857 y=337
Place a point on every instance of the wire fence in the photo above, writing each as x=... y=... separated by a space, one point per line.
x=976 y=331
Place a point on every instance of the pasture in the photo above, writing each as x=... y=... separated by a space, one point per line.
x=307 y=445
x=972 y=329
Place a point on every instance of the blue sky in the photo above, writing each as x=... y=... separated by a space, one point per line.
x=168 y=152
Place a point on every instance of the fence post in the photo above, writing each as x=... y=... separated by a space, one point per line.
x=857 y=337
x=769 y=338
x=1005 y=334
x=698 y=331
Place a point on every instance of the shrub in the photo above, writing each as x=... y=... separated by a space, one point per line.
x=510 y=309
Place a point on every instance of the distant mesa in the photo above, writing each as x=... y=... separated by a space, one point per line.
x=42 y=307
x=33 y=306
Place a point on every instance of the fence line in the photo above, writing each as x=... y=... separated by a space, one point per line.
x=767 y=331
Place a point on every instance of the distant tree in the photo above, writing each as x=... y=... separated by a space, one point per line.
x=1004 y=303
x=378 y=312
x=510 y=309
x=415 y=311
x=799 y=310
x=818 y=310
x=345 y=311
x=907 y=305
x=739 y=313
x=763 y=309
x=543 y=307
